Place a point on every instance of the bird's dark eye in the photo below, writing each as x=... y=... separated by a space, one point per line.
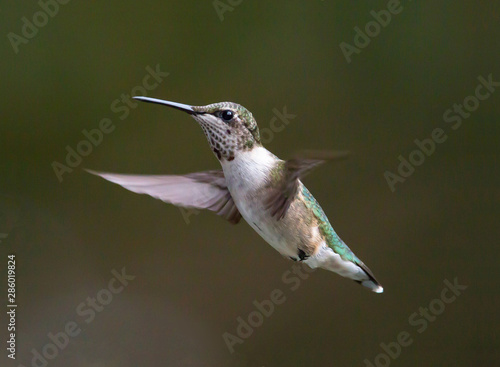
x=227 y=115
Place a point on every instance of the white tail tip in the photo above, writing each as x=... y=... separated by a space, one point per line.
x=373 y=287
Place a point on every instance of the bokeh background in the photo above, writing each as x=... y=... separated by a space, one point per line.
x=193 y=280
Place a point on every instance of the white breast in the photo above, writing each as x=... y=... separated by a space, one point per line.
x=245 y=176
x=249 y=170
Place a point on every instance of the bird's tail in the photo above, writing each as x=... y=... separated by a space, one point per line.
x=371 y=282
x=356 y=270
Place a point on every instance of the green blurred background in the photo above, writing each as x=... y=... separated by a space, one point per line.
x=193 y=280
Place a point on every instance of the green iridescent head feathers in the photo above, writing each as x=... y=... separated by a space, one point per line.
x=245 y=115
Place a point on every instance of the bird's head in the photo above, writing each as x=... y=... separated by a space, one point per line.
x=229 y=127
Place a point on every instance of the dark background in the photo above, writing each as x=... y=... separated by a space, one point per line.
x=193 y=280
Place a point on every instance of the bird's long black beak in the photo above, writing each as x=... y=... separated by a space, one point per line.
x=179 y=106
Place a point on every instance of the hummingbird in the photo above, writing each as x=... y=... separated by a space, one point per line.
x=258 y=186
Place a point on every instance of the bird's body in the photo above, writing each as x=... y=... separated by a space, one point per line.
x=304 y=233
x=261 y=188
x=248 y=177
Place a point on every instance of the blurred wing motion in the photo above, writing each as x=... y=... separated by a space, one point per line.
x=299 y=166
x=201 y=190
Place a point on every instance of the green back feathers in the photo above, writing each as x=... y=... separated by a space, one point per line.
x=325 y=228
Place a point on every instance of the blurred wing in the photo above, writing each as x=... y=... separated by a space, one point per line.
x=302 y=164
x=201 y=190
